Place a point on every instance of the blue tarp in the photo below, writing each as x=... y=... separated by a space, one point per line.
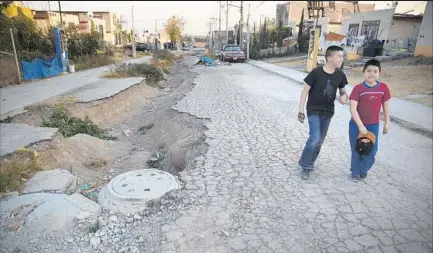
x=206 y=60
x=39 y=68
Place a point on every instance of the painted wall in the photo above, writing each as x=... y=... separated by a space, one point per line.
x=384 y=16
x=424 y=42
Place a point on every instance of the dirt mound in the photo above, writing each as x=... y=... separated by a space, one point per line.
x=84 y=155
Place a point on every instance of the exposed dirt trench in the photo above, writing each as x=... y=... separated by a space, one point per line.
x=142 y=119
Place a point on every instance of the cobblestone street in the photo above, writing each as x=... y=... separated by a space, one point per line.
x=252 y=198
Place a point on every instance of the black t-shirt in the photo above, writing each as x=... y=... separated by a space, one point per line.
x=323 y=90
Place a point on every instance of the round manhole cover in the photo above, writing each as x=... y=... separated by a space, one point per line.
x=129 y=192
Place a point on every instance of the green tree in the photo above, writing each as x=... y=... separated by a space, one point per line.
x=174 y=28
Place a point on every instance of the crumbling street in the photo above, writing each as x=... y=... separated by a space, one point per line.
x=245 y=193
x=255 y=198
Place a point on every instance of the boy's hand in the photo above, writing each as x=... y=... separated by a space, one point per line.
x=386 y=128
x=363 y=130
x=301 y=117
x=343 y=99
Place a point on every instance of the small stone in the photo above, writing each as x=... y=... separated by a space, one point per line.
x=113 y=218
x=95 y=241
x=225 y=233
x=137 y=217
x=129 y=220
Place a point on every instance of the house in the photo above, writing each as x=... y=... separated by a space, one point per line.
x=395 y=31
x=289 y=14
x=424 y=46
x=46 y=19
x=106 y=22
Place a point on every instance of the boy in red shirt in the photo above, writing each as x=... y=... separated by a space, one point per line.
x=366 y=100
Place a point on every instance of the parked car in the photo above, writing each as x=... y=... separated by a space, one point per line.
x=139 y=46
x=232 y=53
x=142 y=47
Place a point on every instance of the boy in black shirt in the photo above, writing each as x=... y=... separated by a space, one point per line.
x=321 y=87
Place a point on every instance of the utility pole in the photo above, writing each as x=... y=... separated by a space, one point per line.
x=227 y=21
x=211 y=34
x=156 y=39
x=248 y=32
x=49 y=7
x=134 y=53
x=241 y=24
x=219 y=32
x=60 y=11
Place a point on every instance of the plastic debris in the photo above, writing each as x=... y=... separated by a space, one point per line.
x=90 y=191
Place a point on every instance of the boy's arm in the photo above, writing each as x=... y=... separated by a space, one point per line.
x=387 y=115
x=386 y=112
x=355 y=116
x=304 y=96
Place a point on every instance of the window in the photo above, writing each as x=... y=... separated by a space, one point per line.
x=370 y=29
x=353 y=30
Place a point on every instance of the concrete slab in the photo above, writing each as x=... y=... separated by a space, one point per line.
x=51 y=181
x=129 y=192
x=87 y=206
x=104 y=88
x=45 y=213
x=15 y=136
x=14 y=98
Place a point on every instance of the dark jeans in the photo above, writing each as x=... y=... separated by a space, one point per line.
x=318 y=129
x=362 y=164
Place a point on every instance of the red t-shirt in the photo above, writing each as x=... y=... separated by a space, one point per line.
x=370 y=100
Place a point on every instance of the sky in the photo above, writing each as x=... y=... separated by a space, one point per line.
x=196 y=14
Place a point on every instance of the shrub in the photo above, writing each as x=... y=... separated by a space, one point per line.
x=29 y=40
x=70 y=126
x=84 y=44
x=92 y=61
x=18 y=168
x=152 y=73
x=166 y=55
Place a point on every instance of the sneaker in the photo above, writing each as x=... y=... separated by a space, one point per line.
x=355 y=178
x=305 y=174
x=363 y=175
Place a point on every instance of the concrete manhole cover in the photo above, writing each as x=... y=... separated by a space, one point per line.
x=129 y=192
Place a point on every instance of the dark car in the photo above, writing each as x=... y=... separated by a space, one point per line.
x=139 y=46
x=232 y=53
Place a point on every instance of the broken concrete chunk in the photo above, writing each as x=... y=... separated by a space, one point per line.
x=88 y=208
x=51 y=181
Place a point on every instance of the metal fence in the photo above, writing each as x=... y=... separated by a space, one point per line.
x=10 y=68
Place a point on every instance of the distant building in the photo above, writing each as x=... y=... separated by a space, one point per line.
x=289 y=14
x=424 y=45
x=106 y=22
x=395 y=31
x=220 y=39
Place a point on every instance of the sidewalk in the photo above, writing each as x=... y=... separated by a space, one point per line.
x=15 y=98
x=413 y=115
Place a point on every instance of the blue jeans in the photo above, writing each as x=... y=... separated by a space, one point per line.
x=362 y=164
x=318 y=129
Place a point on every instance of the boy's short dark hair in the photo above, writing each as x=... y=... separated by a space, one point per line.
x=372 y=62
x=332 y=49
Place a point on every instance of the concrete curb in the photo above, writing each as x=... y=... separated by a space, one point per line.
x=296 y=78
